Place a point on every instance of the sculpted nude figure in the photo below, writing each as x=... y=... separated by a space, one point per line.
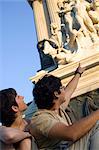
x=56 y=34
x=65 y=8
x=83 y=17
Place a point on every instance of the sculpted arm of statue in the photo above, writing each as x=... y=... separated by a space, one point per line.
x=71 y=86
x=52 y=30
x=68 y=8
x=75 y=131
x=10 y=135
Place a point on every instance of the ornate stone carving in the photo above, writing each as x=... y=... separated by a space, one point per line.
x=55 y=34
x=46 y=48
x=74 y=28
x=83 y=105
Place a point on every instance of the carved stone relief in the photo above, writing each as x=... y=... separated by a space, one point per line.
x=75 y=32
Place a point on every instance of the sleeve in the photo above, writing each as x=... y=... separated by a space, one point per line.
x=44 y=123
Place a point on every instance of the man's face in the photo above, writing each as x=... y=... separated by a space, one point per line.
x=21 y=104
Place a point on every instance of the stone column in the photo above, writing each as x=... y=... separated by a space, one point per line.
x=40 y=21
x=53 y=11
x=54 y=18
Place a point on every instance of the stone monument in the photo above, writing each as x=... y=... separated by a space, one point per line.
x=68 y=33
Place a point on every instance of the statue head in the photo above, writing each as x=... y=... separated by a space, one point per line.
x=96 y=3
x=40 y=45
x=60 y=4
x=54 y=25
x=66 y=1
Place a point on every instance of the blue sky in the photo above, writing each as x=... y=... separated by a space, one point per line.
x=19 y=58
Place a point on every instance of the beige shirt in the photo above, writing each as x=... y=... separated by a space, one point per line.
x=42 y=122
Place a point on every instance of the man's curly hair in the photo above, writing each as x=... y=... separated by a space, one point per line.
x=7 y=100
x=44 y=89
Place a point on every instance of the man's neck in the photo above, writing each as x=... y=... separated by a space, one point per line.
x=56 y=106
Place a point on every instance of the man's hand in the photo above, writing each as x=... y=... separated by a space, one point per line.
x=10 y=135
x=80 y=69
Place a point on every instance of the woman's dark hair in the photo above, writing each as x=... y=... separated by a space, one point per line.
x=7 y=100
x=44 y=89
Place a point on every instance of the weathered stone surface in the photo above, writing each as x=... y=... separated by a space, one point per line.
x=72 y=25
x=84 y=104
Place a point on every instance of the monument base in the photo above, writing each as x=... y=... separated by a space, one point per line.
x=89 y=80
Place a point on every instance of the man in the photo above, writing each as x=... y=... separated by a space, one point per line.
x=52 y=127
x=11 y=107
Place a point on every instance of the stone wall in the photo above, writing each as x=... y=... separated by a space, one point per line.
x=83 y=105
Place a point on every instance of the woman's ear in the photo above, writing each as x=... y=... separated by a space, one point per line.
x=14 y=108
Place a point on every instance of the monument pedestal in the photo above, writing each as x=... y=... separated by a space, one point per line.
x=89 y=80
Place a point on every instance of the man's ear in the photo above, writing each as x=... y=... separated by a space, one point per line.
x=56 y=94
x=14 y=108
